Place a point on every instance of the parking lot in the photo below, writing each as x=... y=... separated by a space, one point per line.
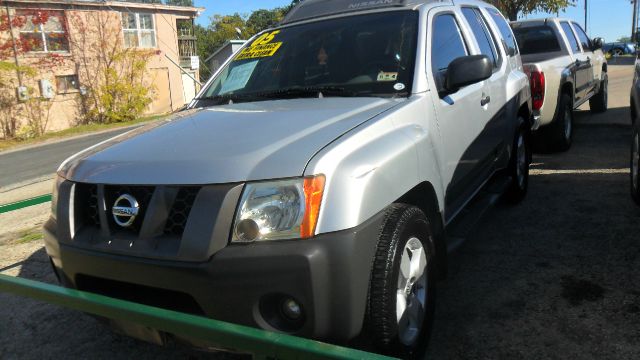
x=552 y=278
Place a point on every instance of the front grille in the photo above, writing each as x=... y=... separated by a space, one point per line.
x=86 y=203
x=177 y=220
x=177 y=204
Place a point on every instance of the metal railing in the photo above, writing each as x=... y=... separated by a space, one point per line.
x=262 y=344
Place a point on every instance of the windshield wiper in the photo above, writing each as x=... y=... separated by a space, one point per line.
x=227 y=98
x=306 y=91
x=287 y=93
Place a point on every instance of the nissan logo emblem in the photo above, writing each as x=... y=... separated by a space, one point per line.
x=125 y=210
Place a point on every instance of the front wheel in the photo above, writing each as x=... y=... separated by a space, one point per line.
x=402 y=289
x=599 y=102
x=519 y=165
x=635 y=166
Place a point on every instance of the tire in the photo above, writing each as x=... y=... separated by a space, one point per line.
x=519 y=165
x=635 y=166
x=617 y=52
x=562 y=126
x=599 y=102
x=405 y=233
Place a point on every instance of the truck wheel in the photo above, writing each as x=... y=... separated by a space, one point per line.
x=402 y=290
x=562 y=131
x=635 y=166
x=599 y=102
x=519 y=166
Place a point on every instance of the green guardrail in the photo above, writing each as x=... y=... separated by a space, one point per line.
x=262 y=344
x=25 y=203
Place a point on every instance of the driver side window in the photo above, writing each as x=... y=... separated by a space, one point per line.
x=447 y=44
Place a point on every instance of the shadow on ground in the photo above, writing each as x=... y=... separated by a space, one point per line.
x=554 y=277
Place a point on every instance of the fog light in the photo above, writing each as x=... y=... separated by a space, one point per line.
x=291 y=309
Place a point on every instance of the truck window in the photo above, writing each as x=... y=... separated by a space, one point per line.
x=570 y=36
x=505 y=30
x=536 y=39
x=481 y=32
x=447 y=44
x=584 y=39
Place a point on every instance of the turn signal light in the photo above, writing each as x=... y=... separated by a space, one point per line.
x=313 y=190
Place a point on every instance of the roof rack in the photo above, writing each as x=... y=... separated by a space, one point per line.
x=310 y=9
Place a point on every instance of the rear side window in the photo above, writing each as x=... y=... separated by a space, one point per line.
x=447 y=44
x=572 y=38
x=536 y=39
x=584 y=39
x=505 y=31
x=481 y=33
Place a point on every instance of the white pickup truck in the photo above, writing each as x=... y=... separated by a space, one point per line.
x=566 y=69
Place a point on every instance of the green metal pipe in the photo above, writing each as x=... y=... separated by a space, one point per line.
x=25 y=203
x=259 y=342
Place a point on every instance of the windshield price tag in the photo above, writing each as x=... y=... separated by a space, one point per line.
x=387 y=76
x=261 y=47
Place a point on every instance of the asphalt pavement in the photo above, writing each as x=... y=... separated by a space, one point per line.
x=37 y=162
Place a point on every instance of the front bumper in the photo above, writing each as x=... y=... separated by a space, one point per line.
x=327 y=275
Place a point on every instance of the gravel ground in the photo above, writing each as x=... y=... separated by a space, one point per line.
x=551 y=278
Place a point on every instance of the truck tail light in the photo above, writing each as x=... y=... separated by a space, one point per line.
x=537 y=88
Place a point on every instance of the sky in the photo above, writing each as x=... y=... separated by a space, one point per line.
x=609 y=19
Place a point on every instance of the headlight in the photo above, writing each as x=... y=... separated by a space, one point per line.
x=277 y=210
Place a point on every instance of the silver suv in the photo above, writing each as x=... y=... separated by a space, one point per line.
x=309 y=187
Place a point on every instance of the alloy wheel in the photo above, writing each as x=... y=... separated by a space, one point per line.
x=411 y=295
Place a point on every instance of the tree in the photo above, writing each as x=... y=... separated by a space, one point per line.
x=114 y=76
x=511 y=8
x=263 y=19
x=624 y=39
x=179 y=2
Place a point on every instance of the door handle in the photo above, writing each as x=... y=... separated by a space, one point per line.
x=485 y=100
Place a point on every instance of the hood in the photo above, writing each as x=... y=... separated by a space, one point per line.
x=222 y=144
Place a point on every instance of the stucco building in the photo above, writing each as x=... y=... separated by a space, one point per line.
x=165 y=30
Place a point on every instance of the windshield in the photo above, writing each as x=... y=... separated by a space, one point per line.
x=367 y=55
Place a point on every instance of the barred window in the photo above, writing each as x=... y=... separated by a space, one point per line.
x=67 y=83
x=139 y=30
x=43 y=31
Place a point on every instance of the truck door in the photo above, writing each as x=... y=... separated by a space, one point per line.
x=581 y=65
x=491 y=142
x=460 y=115
x=587 y=51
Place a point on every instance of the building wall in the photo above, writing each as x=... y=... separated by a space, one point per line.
x=164 y=76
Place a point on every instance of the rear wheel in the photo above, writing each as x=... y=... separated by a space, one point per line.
x=402 y=290
x=519 y=165
x=599 y=102
x=635 y=166
x=562 y=126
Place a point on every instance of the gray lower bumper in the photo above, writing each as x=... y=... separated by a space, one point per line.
x=328 y=275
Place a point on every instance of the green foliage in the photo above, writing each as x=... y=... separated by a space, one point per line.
x=264 y=19
x=624 y=39
x=179 y=2
x=511 y=8
x=115 y=77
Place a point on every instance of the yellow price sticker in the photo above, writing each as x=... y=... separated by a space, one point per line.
x=261 y=47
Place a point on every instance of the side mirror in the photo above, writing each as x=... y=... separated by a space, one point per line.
x=597 y=43
x=467 y=70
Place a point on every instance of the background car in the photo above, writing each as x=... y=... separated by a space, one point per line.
x=619 y=48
